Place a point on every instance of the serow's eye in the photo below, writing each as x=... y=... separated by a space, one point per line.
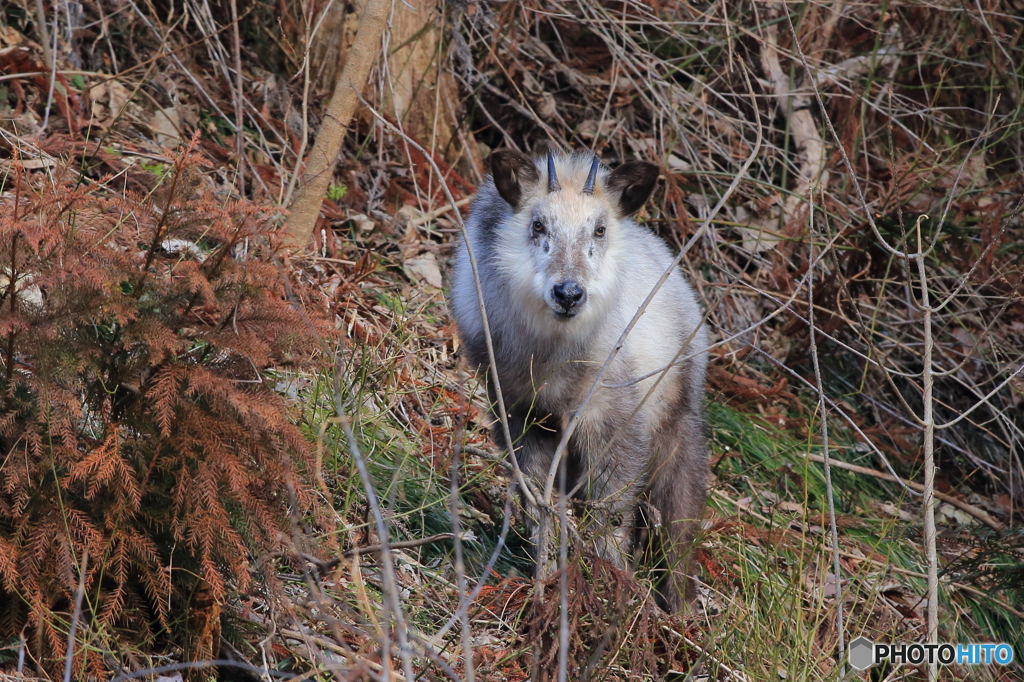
x=538 y=227
x=599 y=232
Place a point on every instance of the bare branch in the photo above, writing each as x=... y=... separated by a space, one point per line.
x=829 y=491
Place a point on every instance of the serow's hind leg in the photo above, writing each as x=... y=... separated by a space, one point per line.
x=677 y=491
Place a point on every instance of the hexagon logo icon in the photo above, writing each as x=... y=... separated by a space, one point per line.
x=862 y=653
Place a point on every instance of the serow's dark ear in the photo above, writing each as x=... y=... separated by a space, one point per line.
x=633 y=182
x=514 y=174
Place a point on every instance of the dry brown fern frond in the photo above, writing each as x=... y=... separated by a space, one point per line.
x=613 y=623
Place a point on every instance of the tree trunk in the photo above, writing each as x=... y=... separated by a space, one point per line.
x=418 y=89
x=305 y=209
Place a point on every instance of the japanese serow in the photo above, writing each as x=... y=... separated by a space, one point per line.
x=563 y=269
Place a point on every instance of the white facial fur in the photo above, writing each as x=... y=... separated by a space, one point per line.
x=555 y=239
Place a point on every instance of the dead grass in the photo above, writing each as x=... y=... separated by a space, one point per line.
x=924 y=98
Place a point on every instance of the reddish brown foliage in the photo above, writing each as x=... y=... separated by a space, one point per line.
x=737 y=389
x=137 y=422
x=612 y=621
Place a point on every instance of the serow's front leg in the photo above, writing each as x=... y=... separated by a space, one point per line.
x=535 y=441
x=614 y=458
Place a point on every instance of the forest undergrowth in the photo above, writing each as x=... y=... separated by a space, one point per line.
x=218 y=460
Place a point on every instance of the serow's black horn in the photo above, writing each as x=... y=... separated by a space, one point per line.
x=553 y=185
x=588 y=188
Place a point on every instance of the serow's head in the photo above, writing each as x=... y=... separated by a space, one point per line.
x=563 y=246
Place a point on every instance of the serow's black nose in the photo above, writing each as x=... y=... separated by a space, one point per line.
x=567 y=294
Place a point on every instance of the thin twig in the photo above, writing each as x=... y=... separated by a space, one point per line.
x=53 y=70
x=839 y=143
x=842 y=413
x=326 y=565
x=563 y=579
x=929 y=455
x=829 y=490
x=401 y=544
x=437 y=212
x=460 y=566
x=949 y=499
x=199 y=665
x=731 y=672
x=239 y=99
x=387 y=560
x=44 y=36
x=304 y=141
x=69 y=656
